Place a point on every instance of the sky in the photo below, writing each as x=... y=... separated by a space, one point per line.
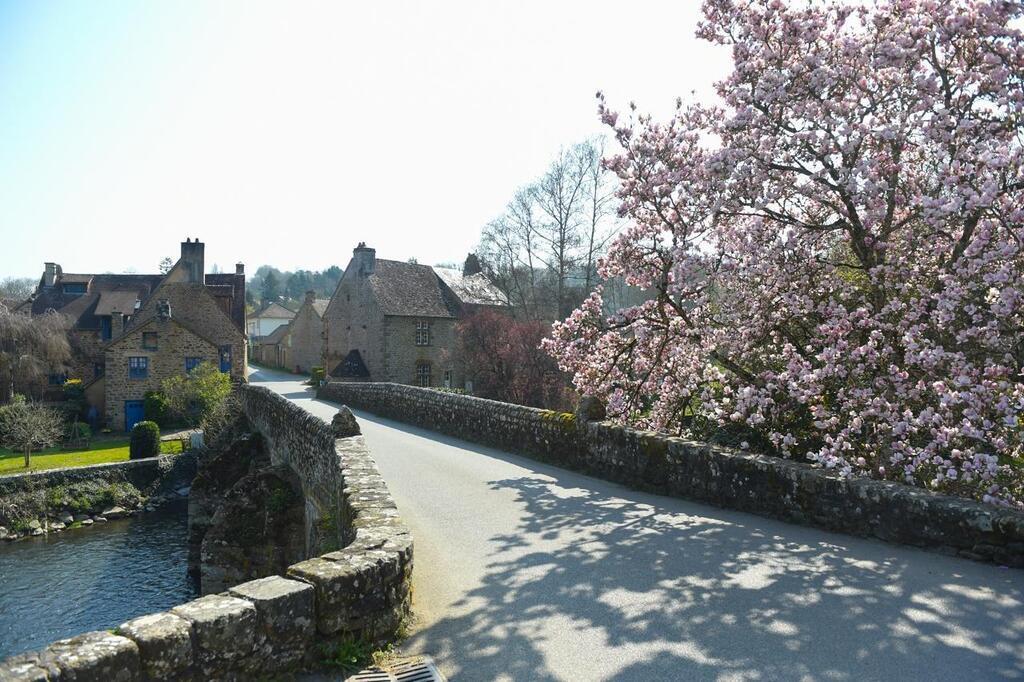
x=286 y=133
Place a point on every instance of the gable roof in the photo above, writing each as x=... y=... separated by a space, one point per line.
x=136 y=328
x=473 y=289
x=276 y=311
x=81 y=308
x=410 y=289
x=277 y=336
x=191 y=303
x=320 y=306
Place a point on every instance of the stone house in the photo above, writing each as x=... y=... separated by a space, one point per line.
x=267 y=319
x=129 y=332
x=395 y=321
x=272 y=350
x=305 y=338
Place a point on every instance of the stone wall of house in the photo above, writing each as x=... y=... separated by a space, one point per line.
x=306 y=339
x=353 y=321
x=174 y=344
x=197 y=308
x=270 y=626
x=402 y=356
x=723 y=477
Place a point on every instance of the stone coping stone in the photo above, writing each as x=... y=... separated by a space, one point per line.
x=286 y=610
x=93 y=657
x=165 y=644
x=223 y=628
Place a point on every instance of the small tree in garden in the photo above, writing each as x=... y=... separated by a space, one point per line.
x=837 y=251
x=29 y=427
x=145 y=440
x=194 y=396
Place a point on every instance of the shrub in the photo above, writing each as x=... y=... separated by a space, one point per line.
x=199 y=394
x=316 y=375
x=145 y=441
x=78 y=430
x=155 y=407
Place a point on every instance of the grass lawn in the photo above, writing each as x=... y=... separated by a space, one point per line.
x=100 y=452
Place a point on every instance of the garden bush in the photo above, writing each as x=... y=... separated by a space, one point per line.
x=154 y=407
x=145 y=441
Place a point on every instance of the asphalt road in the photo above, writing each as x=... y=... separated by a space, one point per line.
x=529 y=572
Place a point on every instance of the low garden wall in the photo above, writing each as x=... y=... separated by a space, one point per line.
x=750 y=482
x=141 y=473
x=268 y=626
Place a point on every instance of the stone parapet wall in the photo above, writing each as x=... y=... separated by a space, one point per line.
x=265 y=627
x=750 y=482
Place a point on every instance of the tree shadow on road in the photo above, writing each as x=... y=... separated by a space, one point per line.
x=665 y=595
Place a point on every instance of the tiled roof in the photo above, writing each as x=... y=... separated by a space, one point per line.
x=275 y=311
x=117 y=301
x=472 y=289
x=410 y=289
x=276 y=336
x=81 y=308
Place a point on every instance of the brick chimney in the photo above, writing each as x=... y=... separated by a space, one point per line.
x=192 y=260
x=50 y=273
x=364 y=259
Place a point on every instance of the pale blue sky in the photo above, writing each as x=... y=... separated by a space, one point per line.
x=285 y=133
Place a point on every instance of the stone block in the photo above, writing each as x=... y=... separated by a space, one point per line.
x=165 y=644
x=286 y=615
x=93 y=657
x=337 y=585
x=24 y=668
x=223 y=627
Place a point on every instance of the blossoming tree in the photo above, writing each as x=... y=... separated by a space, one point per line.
x=835 y=253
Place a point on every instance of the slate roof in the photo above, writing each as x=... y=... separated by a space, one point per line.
x=472 y=289
x=81 y=308
x=410 y=289
x=121 y=301
x=277 y=336
x=226 y=285
x=275 y=311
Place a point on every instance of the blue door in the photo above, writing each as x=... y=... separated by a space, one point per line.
x=225 y=359
x=133 y=413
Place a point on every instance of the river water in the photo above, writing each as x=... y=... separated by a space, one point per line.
x=94 y=578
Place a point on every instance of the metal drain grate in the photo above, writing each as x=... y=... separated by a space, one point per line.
x=420 y=669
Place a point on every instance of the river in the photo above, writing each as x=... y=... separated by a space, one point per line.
x=96 y=578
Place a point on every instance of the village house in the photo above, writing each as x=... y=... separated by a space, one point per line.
x=130 y=332
x=272 y=350
x=395 y=321
x=305 y=338
x=266 y=320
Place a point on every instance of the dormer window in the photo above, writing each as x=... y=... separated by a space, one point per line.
x=74 y=288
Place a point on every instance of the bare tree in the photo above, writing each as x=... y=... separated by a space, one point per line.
x=28 y=427
x=16 y=289
x=31 y=347
x=601 y=225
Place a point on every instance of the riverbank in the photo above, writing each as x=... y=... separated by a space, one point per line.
x=38 y=503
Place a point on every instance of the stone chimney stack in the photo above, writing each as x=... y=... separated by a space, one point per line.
x=471 y=266
x=364 y=259
x=239 y=268
x=116 y=324
x=50 y=274
x=310 y=296
x=193 y=261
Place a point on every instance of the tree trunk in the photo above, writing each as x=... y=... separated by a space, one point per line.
x=28 y=457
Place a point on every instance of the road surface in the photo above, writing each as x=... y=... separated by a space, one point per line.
x=524 y=571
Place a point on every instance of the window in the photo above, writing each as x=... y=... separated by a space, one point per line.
x=191 y=364
x=105 y=328
x=423 y=374
x=149 y=340
x=422 y=332
x=449 y=380
x=75 y=288
x=97 y=369
x=138 y=368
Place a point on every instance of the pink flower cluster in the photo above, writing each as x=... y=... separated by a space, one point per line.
x=836 y=255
